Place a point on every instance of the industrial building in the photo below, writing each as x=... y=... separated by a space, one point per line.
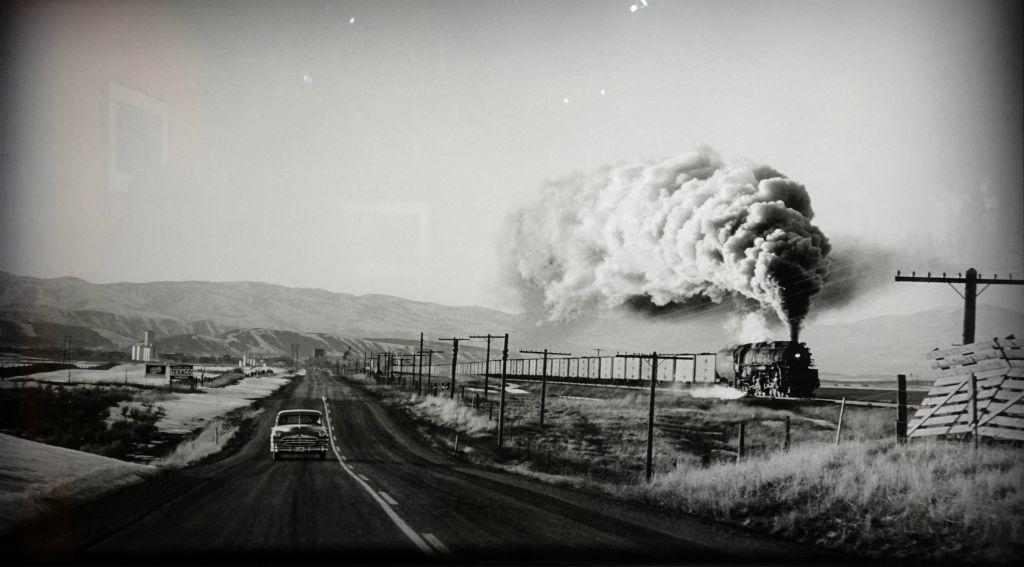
x=146 y=350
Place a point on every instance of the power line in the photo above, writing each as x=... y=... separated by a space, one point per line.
x=970 y=293
x=717 y=308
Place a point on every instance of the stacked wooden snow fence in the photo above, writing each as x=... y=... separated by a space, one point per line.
x=979 y=389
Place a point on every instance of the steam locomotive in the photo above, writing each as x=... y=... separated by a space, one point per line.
x=769 y=369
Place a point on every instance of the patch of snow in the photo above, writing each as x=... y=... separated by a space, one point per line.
x=511 y=388
x=186 y=411
x=210 y=440
x=496 y=388
x=133 y=373
x=35 y=476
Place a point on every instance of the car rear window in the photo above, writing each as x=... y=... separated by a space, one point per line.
x=299 y=419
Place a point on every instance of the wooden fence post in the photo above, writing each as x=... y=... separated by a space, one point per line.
x=974 y=408
x=785 y=444
x=901 y=408
x=839 y=426
x=743 y=439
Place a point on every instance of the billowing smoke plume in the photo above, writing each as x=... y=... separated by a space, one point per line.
x=687 y=228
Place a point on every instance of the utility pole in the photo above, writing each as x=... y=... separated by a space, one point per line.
x=544 y=377
x=970 y=293
x=419 y=366
x=67 y=354
x=487 y=365
x=406 y=359
x=455 y=359
x=650 y=413
x=430 y=365
x=501 y=398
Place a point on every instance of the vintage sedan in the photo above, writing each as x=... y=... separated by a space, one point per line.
x=299 y=431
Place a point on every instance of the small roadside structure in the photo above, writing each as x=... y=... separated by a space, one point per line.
x=175 y=373
x=979 y=392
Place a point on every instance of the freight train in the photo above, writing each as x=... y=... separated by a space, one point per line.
x=766 y=369
x=770 y=369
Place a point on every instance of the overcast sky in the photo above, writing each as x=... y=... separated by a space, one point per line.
x=378 y=147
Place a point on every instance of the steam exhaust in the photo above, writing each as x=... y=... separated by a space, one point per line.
x=683 y=229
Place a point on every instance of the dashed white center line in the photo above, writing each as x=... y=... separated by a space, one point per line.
x=436 y=544
x=364 y=477
x=410 y=533
x=388 y=497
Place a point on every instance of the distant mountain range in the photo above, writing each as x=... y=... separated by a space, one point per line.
x=204 y=318
x=37 y=311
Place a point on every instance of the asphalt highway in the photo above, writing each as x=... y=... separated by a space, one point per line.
x=382 y=496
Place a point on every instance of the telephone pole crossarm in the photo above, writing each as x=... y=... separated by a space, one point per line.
x=487 y=359
x=970 y=293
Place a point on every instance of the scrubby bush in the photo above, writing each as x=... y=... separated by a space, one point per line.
x=76 y=418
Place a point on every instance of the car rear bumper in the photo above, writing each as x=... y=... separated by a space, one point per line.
x=295 y=448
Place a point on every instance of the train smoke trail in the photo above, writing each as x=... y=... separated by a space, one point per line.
x=715 y=392
x=686 y=228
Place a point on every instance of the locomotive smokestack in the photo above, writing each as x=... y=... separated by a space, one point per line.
x=794 y=331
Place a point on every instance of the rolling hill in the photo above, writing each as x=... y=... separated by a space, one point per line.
x=36 y=310
x=203 y=318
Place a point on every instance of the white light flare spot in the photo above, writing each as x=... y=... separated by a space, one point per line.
x=602 y=92
x=633 y=8
x=565 y=101
x=351 y=20
x=308 y=79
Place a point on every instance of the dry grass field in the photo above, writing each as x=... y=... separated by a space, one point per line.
x=869 y=496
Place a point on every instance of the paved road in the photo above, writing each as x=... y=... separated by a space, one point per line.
x=384 y=497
